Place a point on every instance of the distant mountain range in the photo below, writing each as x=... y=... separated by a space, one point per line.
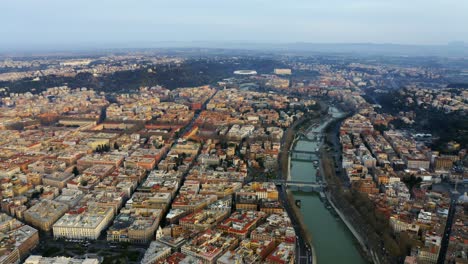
x=456 y=49
x=453 y=49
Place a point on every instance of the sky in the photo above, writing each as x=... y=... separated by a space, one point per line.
x=71 y=23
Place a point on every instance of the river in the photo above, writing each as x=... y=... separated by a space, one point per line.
x=332 y=240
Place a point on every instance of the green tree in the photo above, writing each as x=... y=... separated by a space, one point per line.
x=75 y=171
x=381 y=128
x=260 y=162
x=83 y=182
x=391 y=245
x=412 y=181
x=406 y=242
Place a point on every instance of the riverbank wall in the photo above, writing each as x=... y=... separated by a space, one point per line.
x=347 y=213
x=289 y=141
x=304 y=230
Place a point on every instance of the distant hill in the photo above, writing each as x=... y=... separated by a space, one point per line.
x=453 y=49
x=458 y=49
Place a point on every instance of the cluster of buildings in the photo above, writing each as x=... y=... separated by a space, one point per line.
x=456 y=252
x=144 y=176
x=147 y=106
x=391 y=154
x=383 y=163
x=168 y=168
x=16 y=239
x=447 y=100
x=422 y=218
x=30 y=110
x=225 y=232
x=334 y=75
x=378 y=163
x=35 y=259
x=243 y=107
x=36 y=68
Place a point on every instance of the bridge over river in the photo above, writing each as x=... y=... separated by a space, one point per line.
x=301 y=155
x=305 y=186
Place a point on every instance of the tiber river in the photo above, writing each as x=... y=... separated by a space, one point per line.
x=332 y=240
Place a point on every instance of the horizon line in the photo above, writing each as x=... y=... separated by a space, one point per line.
x=10 y=49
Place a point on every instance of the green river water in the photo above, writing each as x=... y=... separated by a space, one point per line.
x=332 y=240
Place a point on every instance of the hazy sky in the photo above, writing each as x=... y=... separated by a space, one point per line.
x=26 y=23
